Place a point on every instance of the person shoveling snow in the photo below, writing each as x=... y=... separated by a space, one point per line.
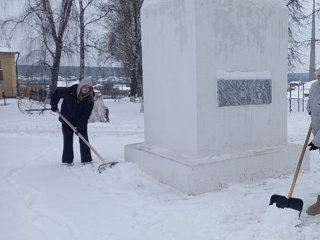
x=76 y=107
x=313 y=109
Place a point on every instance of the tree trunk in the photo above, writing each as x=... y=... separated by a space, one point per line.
x=312 y=67
x=57 y=37
x=55 y=69
x=82 y=47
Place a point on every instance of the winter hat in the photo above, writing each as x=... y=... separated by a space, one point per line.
x=84 y=81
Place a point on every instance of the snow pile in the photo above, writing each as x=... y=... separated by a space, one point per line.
x=99 y=111
x=285 y=217
x=279 y=223
x=276 y=223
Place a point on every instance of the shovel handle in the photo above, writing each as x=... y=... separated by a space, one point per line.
x=300 y=162
x=80 y=136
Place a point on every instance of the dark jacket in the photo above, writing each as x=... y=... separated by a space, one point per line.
x=76 y=111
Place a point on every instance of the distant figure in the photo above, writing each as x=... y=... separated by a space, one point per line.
x=107 y=115
x=77 y=105
x=313 y=109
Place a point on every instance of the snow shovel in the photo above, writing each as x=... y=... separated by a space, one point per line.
x=105 y=164
x=293 y=203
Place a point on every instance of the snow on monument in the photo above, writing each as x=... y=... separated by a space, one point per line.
x=215 y=93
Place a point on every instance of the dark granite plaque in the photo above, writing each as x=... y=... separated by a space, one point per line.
x=244 y=92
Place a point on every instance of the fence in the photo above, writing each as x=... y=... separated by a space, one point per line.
x=32 y=92
x=297 y=97
x=7 y=92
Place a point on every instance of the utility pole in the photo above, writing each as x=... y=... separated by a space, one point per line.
x=312 y=67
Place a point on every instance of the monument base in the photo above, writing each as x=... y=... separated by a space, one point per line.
x=196 y=176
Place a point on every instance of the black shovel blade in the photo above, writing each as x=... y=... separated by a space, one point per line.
x=283 y=202
x=107 y=165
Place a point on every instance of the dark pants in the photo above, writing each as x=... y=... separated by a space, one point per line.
x=67 y=155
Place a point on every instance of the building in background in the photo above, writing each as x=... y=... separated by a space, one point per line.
x=8 y=79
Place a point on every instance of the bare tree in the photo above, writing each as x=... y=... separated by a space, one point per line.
x=82 y=28
x=123 y=38
x=87 y=40
x=81 y=18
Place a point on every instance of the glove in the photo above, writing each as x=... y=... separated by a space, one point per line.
x=54 y=108
x=312 y=146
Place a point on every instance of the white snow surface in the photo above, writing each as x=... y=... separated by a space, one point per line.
x=41 y=199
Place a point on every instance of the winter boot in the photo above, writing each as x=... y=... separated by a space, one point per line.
x=315 y=208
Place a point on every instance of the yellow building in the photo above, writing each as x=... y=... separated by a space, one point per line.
x=8 y=78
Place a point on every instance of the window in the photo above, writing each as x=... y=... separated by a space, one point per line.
x=1 y=75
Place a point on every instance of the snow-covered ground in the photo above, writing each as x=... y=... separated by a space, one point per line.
x=43 y=200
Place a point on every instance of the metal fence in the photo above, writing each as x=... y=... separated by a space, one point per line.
x=297 y=97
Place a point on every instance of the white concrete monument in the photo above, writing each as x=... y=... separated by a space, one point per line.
x=215 y=80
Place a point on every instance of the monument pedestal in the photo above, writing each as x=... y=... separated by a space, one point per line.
x=196 y=176
x=215 y=80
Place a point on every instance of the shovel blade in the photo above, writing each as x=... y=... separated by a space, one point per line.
x=105 y=166
x=283 y=202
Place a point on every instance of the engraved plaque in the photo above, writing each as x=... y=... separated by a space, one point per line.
x=244 y=92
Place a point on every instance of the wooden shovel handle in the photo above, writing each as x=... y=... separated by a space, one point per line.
x=80 y=136
x=300 y=162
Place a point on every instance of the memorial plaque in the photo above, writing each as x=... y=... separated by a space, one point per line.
x=244 y=92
